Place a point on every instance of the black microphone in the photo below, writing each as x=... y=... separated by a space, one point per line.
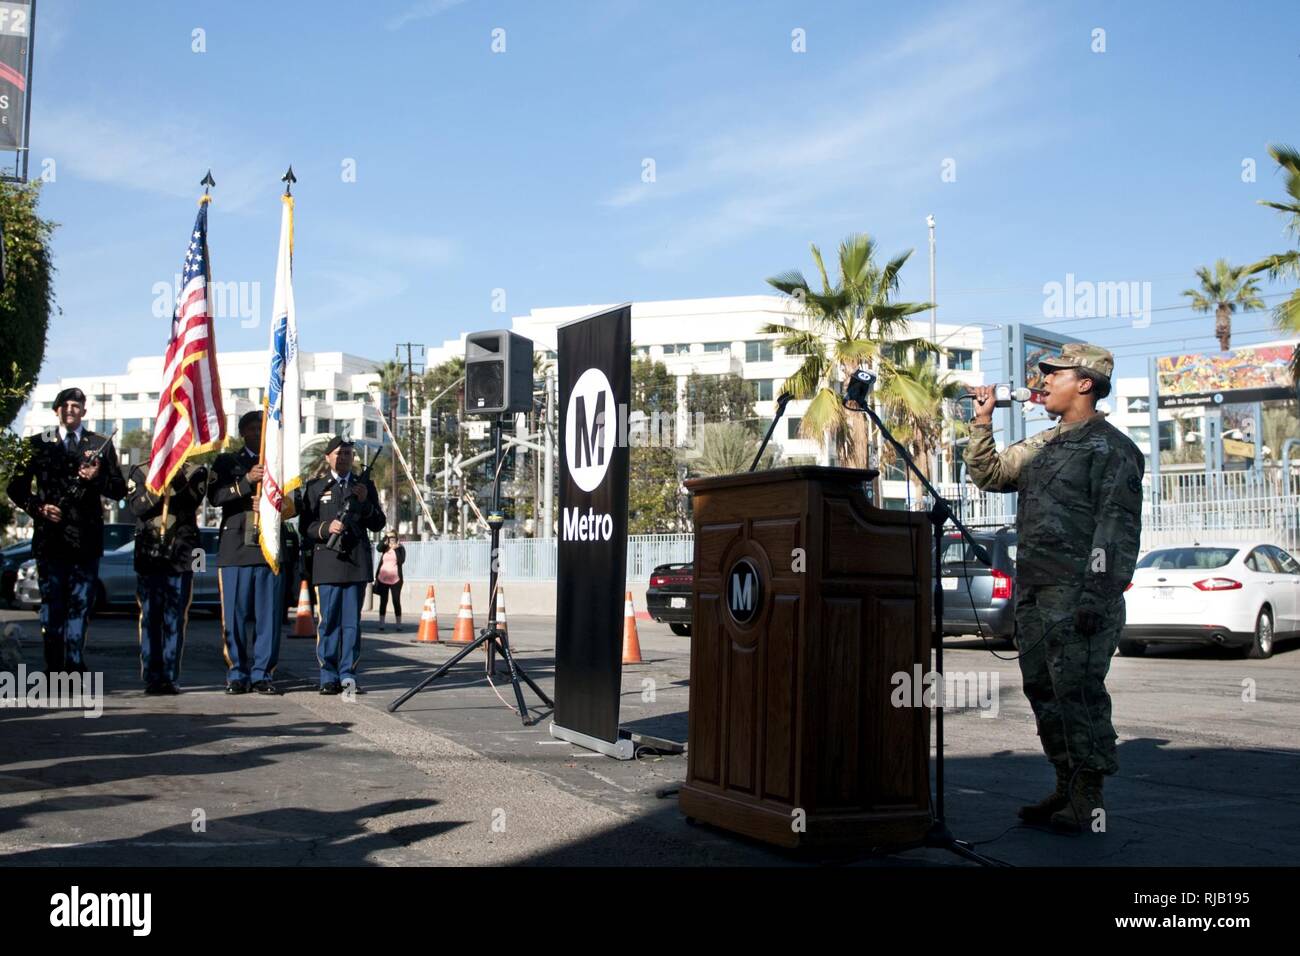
x=782 y=400
x=1004 y=395
x=860 y=385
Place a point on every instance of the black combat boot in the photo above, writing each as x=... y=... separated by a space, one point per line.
x=1041 y=812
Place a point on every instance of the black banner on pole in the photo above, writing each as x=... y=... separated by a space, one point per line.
x=15 y=37
x=595 y=374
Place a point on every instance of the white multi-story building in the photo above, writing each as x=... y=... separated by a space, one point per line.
x=337 y=395
x=721 y=335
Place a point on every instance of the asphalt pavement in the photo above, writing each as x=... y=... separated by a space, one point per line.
x=1209 y=770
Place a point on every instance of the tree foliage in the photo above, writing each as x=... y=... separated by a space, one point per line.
x=653 y=484
x=28 y=296
x=1286 y=265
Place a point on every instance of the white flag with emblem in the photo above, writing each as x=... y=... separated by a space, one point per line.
x=282 y=406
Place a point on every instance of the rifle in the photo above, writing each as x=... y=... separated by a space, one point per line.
x=74 y=484
x=347 y=516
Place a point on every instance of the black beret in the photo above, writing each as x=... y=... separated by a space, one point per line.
x=337 y=442
x=70 y=394
x=253 y=416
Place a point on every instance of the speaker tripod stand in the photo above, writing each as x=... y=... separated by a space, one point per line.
x=493 y=637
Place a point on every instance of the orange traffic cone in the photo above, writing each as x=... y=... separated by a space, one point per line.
x=464 y=630
x=631 y=643
x=501 y=609
x=428 y=632
x=304 y=625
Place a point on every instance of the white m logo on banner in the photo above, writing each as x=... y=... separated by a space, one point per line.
x=590 y=429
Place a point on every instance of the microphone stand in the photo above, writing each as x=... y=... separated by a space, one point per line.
x=939 y=836
x=781 y=403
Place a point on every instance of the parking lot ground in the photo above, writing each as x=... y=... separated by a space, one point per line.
x=1209 y=769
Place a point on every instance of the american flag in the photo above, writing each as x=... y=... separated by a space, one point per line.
x=190 y=419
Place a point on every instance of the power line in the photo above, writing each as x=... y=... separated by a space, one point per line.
x=1039 y=320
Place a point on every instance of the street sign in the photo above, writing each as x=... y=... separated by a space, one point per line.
x=1239 y=449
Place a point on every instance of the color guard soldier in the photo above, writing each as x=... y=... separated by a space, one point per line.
x=165 y=555
x=251 y=593
x=342 y=507
x=73 y=469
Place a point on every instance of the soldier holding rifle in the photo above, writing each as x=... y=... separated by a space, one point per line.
x=337 y=511
x=72 y=469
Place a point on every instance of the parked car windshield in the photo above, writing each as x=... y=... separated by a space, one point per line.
x=1172 y=559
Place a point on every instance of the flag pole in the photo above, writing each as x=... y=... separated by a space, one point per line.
x=288 y=179
x=207 y=182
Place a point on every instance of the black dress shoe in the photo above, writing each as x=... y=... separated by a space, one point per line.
x=333 y=687
x=265 y=687
x=169 y=688
x=237 y=687
x=154 y=687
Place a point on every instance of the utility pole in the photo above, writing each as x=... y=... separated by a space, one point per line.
x=548 y=459
x=409 y=417
x=446 y=486
x=934 y=304
x=941 y=452
x=426 y=419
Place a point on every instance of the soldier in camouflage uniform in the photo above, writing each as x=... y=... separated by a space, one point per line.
x=1078 y=522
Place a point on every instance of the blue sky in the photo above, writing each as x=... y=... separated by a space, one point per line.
x=522 y=170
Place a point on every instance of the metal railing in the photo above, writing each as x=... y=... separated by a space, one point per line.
x=1229 y=515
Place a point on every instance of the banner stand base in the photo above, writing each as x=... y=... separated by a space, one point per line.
x=622 y=749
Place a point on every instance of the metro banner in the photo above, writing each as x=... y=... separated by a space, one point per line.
x=595 y=378
x=15 y=50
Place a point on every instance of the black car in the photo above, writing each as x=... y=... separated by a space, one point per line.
x=978 y=599
x=11 y=559
x=668 y=598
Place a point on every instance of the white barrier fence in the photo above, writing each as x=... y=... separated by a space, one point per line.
x=532 y=559
x=1270 y=518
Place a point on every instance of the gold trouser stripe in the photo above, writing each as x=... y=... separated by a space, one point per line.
x=185 y=624
x=221 y=597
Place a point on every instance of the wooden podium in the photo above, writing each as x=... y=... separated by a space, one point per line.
x=807 y=601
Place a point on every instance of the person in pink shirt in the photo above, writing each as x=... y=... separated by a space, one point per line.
x=388 y=578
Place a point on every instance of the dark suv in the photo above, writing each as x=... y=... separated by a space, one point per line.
x=977 y=599
x=668 y=598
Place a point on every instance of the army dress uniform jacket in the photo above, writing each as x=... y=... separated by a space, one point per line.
x=1079 y=505
x=79 y=536
x=323 y=500
x=169 y=550
x=230 y=490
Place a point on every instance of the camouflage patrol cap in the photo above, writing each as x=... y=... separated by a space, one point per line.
x=1081 y=355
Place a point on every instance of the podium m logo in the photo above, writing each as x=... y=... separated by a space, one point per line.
x=590 y=429
x=744 y=591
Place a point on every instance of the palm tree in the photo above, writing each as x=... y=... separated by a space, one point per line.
x=1222 y=292
x=391 y=376
x=844 y=327
x=913 y=399
x=1286 y=265
x=727 y=448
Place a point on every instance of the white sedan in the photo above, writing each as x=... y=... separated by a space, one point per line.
x=1236 y=594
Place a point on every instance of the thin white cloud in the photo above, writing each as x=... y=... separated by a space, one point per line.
x=935 y=93
x=421 y=11
x=161 y=158
x=425 y=251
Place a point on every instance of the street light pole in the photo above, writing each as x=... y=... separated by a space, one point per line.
x=934 y=305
